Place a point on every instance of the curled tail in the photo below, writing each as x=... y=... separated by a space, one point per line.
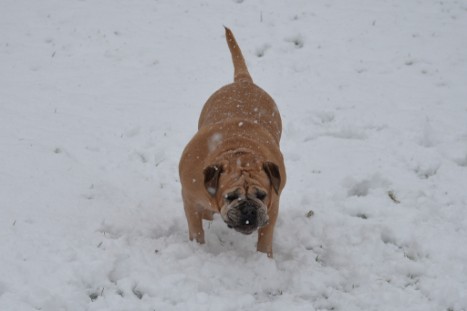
x=240 y=70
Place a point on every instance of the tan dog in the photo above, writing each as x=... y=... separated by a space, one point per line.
x=233 y=165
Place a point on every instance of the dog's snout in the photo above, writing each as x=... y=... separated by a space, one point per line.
x=249 y=215
x=246 y=217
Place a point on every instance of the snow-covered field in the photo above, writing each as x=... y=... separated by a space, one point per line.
x=99 y=98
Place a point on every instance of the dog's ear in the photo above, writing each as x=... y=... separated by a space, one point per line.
x=211 y=178
x=272 y=170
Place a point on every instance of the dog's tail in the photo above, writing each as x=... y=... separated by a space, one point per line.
x=240 y=70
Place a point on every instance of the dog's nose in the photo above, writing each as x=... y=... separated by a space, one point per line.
x=249 y=215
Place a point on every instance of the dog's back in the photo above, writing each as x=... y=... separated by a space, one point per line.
x=241 y=101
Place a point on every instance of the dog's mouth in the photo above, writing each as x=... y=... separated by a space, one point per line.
x=246 y=217
x=245 y=229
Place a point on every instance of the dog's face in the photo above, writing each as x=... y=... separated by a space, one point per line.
x=243 y=194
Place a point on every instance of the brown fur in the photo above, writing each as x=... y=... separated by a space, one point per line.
x=236 y=146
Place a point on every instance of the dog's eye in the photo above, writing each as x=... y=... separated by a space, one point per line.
x=231 y=196
x=260 y=195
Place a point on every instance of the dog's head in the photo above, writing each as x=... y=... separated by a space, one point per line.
x=243 y=193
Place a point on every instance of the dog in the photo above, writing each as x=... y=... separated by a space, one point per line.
x=233 y=165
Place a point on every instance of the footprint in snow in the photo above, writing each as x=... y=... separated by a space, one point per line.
x=110 y=231
x=427 y=171
x=141 y=157
x=94 y=295
x=138 y=293
x=262 y=50
x=410 y=248
x=361 y=188
x=296 y=40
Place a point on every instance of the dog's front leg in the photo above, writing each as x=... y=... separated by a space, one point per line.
x=194 y=218
x=266 y=233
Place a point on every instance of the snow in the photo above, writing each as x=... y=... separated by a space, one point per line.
x=99 y=98
x=214 y=141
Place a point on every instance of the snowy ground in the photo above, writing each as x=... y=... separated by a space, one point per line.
x=98 y=99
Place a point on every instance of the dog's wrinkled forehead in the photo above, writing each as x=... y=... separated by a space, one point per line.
x=245 y=180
